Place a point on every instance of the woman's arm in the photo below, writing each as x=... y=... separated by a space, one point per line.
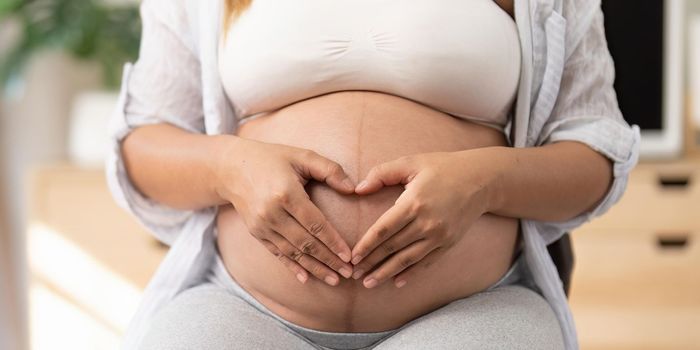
x=553 y=182
x=445 y=192
x=193 y=171
x=175 y=167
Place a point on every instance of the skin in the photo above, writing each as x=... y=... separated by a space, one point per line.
x=435 y=212
x=194 y=171
x=392 y=128
x=189 y=177
x=444 y=196
x=506 y=5
x=359 y=130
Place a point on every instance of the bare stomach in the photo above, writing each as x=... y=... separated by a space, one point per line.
x=359 y=130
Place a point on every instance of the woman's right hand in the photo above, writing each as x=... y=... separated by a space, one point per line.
x=265 y=183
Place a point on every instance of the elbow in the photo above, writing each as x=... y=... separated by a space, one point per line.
x=587 y=177
x=134 y=161
x=601 y=180
x=593 y=184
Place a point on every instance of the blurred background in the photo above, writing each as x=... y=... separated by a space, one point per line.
x=73 y=265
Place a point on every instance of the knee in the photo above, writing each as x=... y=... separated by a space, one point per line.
x=510 y=317
x=527 y=318
x=191 y=320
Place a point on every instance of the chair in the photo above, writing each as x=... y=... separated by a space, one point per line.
x=562 y=254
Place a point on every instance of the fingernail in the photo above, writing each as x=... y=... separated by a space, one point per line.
x=346 y=272
x=344 y=256
x=370 y=283
x=361 y=185
x=358 y=274
x=301 y=277
x=400 y=284
x=348 y=183
x=332 y=280
x=356 y=259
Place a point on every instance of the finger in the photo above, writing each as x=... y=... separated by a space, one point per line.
x=392 y=221
x=289 y=228
x=404 y=276
x=292 y=265
x=315 y=267
x=312 y=219
x=312 y=165
x=409 y=234
x=398 y=171
x=399 y=262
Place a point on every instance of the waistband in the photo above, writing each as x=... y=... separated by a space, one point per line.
x=336 y=340
x=321 y=339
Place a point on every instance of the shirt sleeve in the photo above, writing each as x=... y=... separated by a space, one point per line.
x=586 y=110
x=163 y=86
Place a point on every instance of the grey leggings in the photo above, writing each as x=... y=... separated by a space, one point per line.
x=219 y=314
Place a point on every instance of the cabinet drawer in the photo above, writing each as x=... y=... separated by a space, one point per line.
x=637 y=289
x=656 y=199
x=638 y=267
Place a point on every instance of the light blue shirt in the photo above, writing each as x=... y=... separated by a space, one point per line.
x=565 y=93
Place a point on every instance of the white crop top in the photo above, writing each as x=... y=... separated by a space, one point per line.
x=461 y=57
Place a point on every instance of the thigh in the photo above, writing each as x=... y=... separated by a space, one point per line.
x=209 y=317
x=509 y=317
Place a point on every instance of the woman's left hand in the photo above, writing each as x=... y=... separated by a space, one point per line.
x=445 y=192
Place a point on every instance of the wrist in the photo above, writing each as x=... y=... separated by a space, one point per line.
x=221 y=166
x=494 y=164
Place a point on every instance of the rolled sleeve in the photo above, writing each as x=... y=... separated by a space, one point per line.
x=163 y=86
x=587 y=111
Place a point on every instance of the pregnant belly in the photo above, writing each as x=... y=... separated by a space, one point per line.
x=360 y=130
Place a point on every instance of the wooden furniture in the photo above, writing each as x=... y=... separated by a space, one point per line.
x=89 y=260
x=636 y=283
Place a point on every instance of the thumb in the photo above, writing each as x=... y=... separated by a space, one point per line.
x=398 y=171
x=314 y=166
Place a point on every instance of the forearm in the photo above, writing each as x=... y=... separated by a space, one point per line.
x=555 y=182
x=175 y=167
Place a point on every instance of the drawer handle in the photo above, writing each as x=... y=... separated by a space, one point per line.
x=675 y=182
x=668 y=242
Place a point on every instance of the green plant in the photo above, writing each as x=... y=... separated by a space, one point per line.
x=88 y=29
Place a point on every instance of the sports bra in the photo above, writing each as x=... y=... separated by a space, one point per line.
x=461 y=57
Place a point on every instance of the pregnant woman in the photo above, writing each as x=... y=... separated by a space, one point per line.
x=365 y=174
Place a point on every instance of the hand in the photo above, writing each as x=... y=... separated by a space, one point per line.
x=265 y=183
x=445 y=193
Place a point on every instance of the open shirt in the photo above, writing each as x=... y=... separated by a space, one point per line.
x=565 y=92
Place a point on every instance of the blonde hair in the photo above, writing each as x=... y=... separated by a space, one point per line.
x=233 y=8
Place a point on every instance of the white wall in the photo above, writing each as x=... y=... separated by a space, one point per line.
x=33 y=129
x=11 y=312
x=693 y=9
x=693 y=66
